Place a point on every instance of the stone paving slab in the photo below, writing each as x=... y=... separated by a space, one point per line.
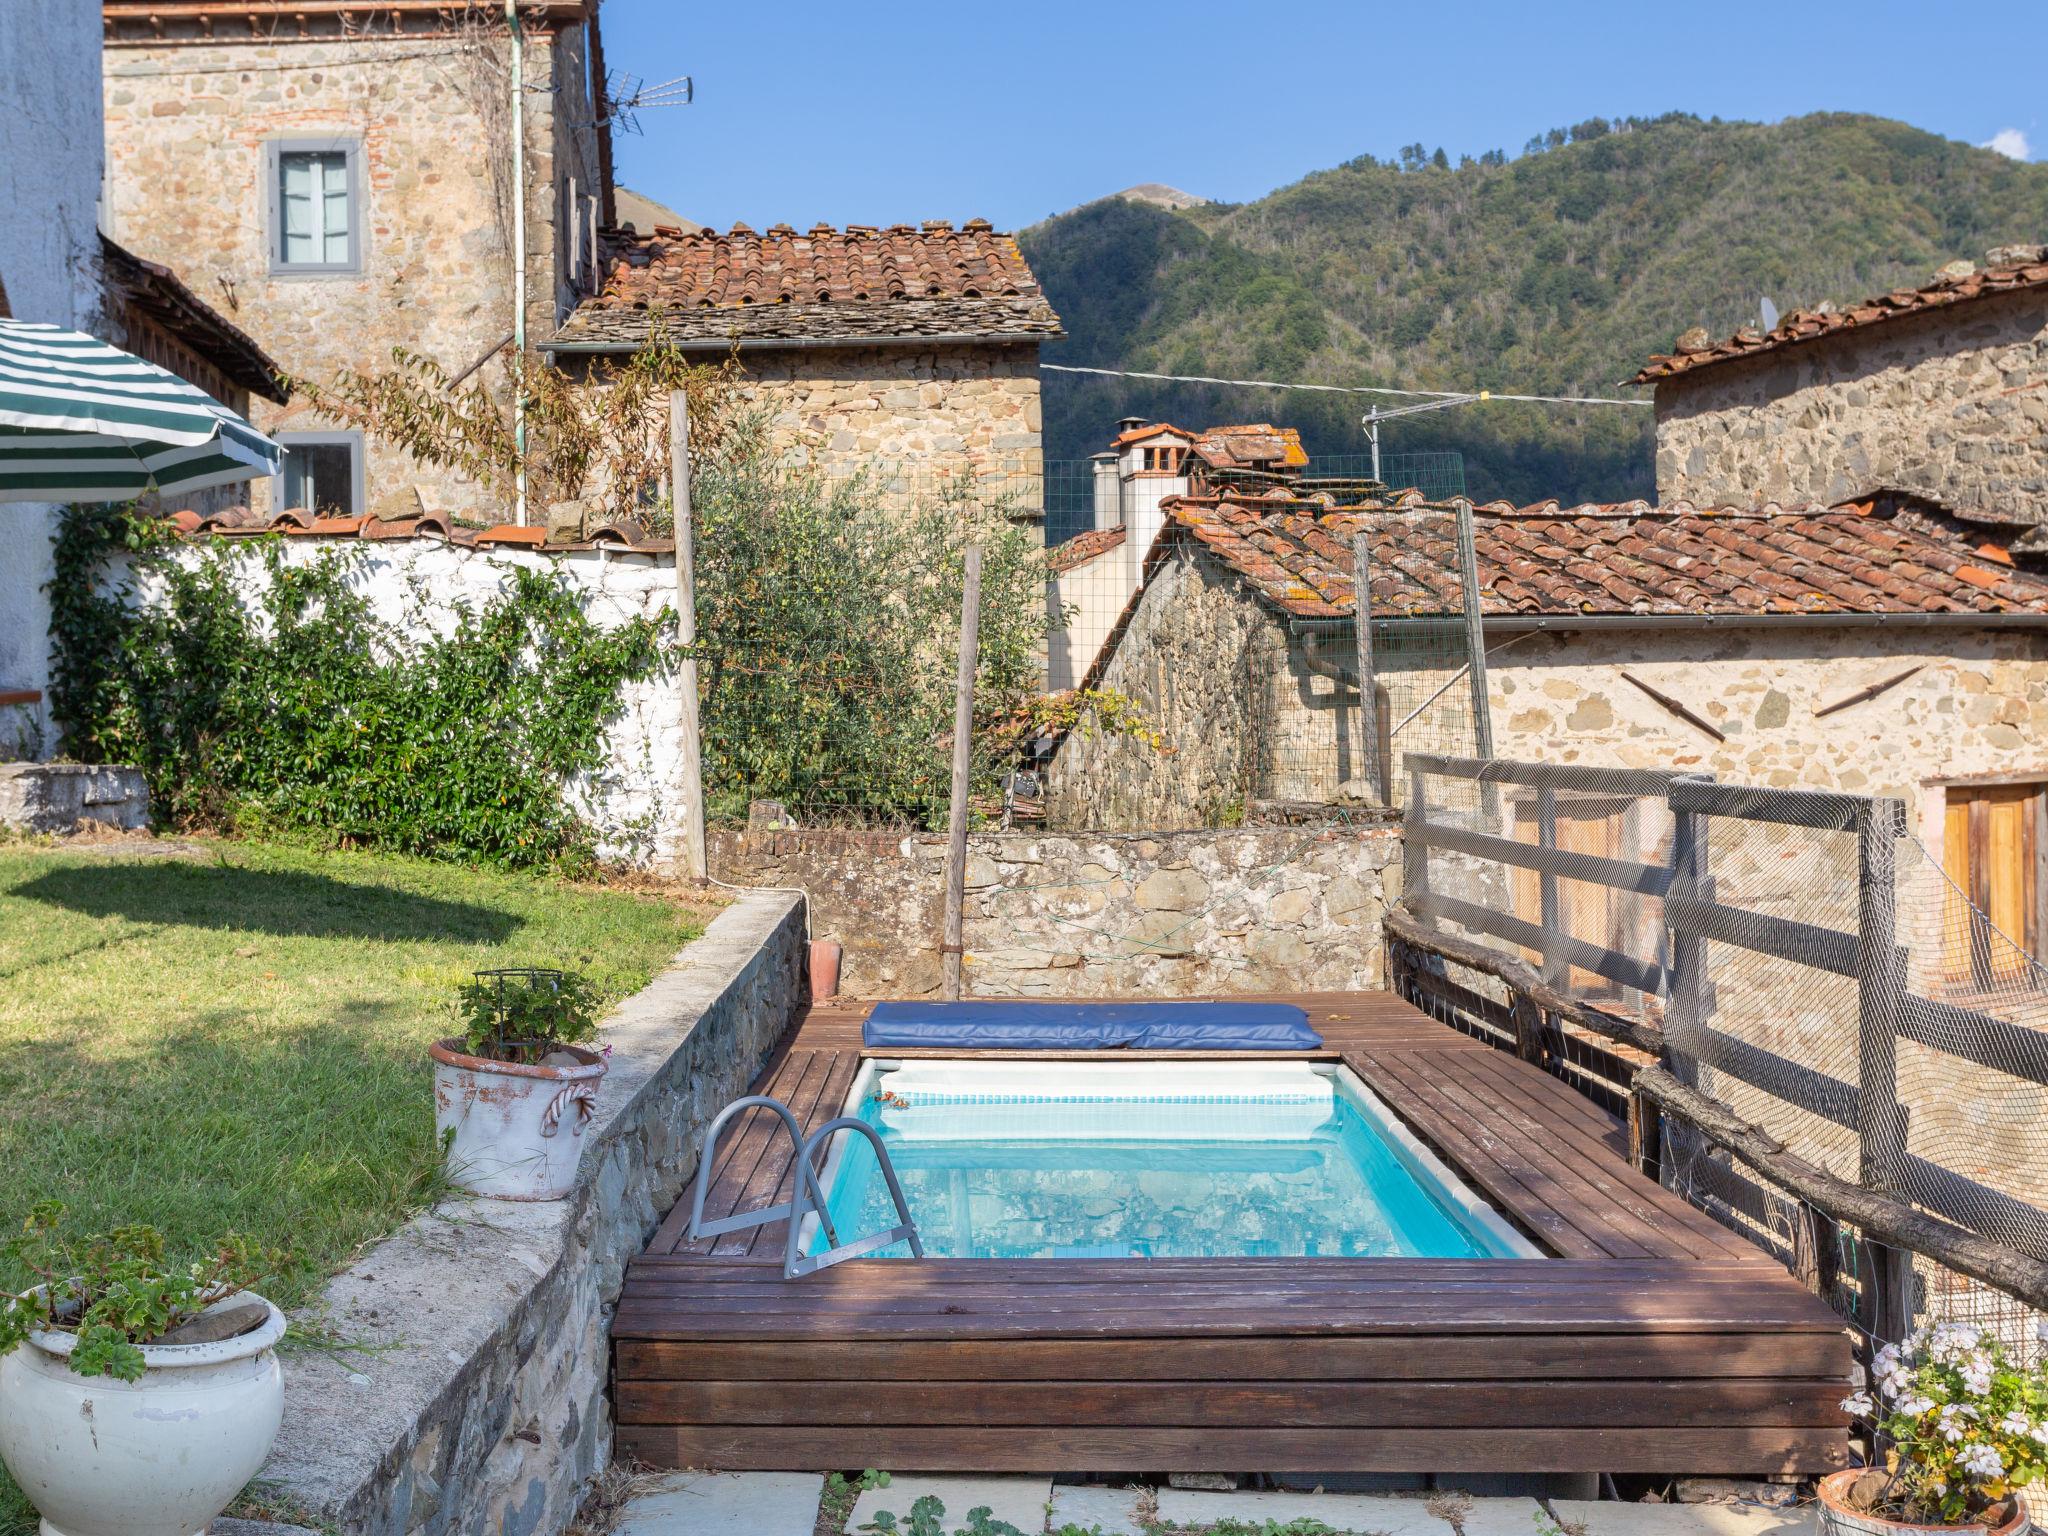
x=1501 y=1517
x=1113 y=1510
x=1612 y=1519
x=1361 y=1512
x=1019 y=1500
x=726 y=1504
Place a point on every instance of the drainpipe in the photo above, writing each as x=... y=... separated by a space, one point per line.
x=518 y=248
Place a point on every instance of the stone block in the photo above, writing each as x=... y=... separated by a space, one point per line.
x=1358 y=1513
x=1174 y=890
x=1603 y=1518
x=55 y=797
x=1112 y=1511
x=1019 y=1500
x=726 y=1504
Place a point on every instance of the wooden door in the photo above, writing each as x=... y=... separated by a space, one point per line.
x=1990 y=847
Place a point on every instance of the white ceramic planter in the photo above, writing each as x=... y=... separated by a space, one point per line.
x=156 y=1457
x=518 y=1130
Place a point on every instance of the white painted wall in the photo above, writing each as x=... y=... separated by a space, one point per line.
x=635 y=801
x=51 y=152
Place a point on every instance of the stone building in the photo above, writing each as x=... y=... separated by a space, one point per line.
x=1940 y=391
x=341 y=179
x=1879 y=648
x=909 y=352
x=56 y=268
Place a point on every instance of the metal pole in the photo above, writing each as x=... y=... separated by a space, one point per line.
x=1475 y=632
x=696 y=865
x=1372 y=433
x=518 y=249
x=1368 y=697
x=954 y=943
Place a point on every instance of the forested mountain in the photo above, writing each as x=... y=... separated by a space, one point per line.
x=1557 y=272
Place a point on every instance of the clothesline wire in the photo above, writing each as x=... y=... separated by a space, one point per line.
x=1342 y=389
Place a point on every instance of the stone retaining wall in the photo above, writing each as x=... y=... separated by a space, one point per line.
x=468 y=1389
x=1262 y=909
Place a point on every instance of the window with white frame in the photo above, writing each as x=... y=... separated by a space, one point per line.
x=323 y=473
x=316 y=205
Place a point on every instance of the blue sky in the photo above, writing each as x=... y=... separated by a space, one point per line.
x=913 y=110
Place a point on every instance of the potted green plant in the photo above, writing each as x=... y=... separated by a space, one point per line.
x=137 y=1395
x=1963 y=1432
x=514 y=1091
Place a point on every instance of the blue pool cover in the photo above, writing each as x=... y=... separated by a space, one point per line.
x=1020 y=1026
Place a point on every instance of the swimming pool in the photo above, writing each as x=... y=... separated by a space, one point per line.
x=1151 y=1160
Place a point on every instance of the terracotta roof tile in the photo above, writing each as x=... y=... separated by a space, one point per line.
x=1083 y=547
x=1627 y=558
x=853 y=284
x=2018 y=269
x=240 y=522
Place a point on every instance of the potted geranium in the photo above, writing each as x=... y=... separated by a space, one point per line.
x=1963 y=1431
x=514 y=1091
x=137 y=1396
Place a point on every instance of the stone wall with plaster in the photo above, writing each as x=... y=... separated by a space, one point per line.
x=634 y=803
x=476 y=1399
x=1264 y=909
x=187 y=125
x=1949 y=404
x=918 y=411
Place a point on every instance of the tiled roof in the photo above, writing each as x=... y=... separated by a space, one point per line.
x=184 y=21
x=2010 y=269
x=298 y=522
x=1626 y=558
x=1083 y=547
x=1256 y=445
x=823 y=284
x=161 y=295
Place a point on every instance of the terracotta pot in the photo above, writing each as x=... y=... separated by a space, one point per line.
x=160 y=1456
x=518 y=1130
x=1837 y=1519
x=825 y=955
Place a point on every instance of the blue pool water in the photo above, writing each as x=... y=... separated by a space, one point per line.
x=1271 y=1172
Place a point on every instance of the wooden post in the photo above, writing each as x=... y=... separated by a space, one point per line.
x=1368 y=679
x=696 y=865
x=1555 y=971
x=1880 y=1005
x=1414 y=851
x=1645 y=1135
x=1816 y=1249
x=1691 y=999
x=954 y=943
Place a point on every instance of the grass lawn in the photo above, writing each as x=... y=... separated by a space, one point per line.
x=234 y=1036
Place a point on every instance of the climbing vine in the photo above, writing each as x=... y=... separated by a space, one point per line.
x=256 y=691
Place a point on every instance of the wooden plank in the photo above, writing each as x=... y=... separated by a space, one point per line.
x=1821 y=810
x=1795 y=1353
x=1525 y=1187
x=1596 y=1159
x=1594 y=780
x=1990 y=1042
x=1306 y=1405
x=1824 y=949
x=1744 y=1449
x=1562 y=863
x=764 y=1154
x=1645 y=976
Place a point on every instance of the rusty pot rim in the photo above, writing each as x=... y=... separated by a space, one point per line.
x=449 y=1053
x=1826 y=1489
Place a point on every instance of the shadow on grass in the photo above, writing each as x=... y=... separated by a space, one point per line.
x=288 y=903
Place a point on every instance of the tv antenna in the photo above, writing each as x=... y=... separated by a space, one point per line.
x=626 y=96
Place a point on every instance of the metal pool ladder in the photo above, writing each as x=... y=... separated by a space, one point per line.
x=806 y=1198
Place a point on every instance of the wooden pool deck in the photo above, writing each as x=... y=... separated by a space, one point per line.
x=1654 y=1340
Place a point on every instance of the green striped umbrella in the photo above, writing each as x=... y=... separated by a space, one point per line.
x=83 y=421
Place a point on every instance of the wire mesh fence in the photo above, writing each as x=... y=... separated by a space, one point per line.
x=1812 y=964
